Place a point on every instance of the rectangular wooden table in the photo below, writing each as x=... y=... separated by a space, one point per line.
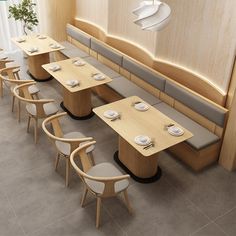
x=76 y=100
x=40 y=57
x=142 y=164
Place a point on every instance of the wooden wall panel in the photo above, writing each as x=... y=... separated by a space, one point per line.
x=200 y=37
x=95 y=11
x=54 y=15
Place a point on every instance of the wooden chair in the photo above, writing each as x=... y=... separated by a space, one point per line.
x=3 y=63
x=36 y=109
x=102 y=180
x=10 y=77
x=64 y=143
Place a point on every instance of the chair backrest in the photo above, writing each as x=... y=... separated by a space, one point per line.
x=11 y=72
x=3 y=62
x=108 y=182
x=23 y=94
x=57 y=134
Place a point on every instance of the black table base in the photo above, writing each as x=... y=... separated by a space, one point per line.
x=90 y=115
x=39 y=80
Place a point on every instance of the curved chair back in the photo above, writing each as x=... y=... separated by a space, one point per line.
x=11 y=72
x=23 y=94
x=57 y=134
x=3 y=62
x=108 y=182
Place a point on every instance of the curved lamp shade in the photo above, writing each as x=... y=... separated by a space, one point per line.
x=152 y=15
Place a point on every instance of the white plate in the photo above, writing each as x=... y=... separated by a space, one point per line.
x=175 y=131
x=142 y=140
x=99 y=77
x=42 y=37
x=79 y=63
x=54 y=67
x=20 y=40
x=54 y=46
x=141 y=106
x=33 y=49
x=72 y=82
x=110 y=114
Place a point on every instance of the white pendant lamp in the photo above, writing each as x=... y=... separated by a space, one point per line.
x=152 y=15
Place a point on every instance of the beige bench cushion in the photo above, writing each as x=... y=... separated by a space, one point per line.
x=202 y=137
x=126 y=88
x=103 y=68
x=72 y=51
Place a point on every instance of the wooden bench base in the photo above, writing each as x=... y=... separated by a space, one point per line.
x=197 y=160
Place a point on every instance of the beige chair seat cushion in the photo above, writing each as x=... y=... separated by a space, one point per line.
x=64 y=148
x=33 y=89
x=49 y=109
x=105 y=169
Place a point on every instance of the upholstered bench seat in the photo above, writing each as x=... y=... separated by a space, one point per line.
x=103 y=68
x=202 y=137
x=72 y=51
x=126 y=88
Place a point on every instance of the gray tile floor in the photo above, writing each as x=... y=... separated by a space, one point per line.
x=35 y=202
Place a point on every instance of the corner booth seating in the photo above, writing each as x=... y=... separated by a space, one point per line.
x=204 y=118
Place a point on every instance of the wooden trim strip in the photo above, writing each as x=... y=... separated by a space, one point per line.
x=177 y=73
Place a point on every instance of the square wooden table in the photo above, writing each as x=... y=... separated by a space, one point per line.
x=76 y=100
x=141 y=163
x=40 y=57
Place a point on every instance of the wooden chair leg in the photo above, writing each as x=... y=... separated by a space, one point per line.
x=57 y=160
x=35 y=130
x=28 y=123
x=1 y=88
x=99 y=201
x=13 y=103
x=67 y=171
x=127 y=202
x=19 y=110
x=84 y=196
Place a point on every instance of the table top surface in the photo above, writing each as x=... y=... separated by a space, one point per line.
x=69 y=71
x=43 y=44
x=133 y=123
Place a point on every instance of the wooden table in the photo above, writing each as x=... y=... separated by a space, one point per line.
x=142 y=164
x=76 y=100
x=37 y=59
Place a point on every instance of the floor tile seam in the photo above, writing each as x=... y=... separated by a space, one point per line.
x=200 y=228
x=14 y=212
x=119 y=226
x=227 y=212
x=20 y=174
x=57 y=220
x=218 y=226
x=190 y=201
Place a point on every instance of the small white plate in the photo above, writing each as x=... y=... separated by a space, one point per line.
x=142 y=140
x=54 y=67
x=110 y=114
x=54 y=46
x=79 y=63
x=175 y=131
x=72 y=82
x=42 y=37
x=20 y=40
x=99 y=77
x=141 y=106
x=33 y=49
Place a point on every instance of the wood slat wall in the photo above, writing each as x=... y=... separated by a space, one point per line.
x=199 y=39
